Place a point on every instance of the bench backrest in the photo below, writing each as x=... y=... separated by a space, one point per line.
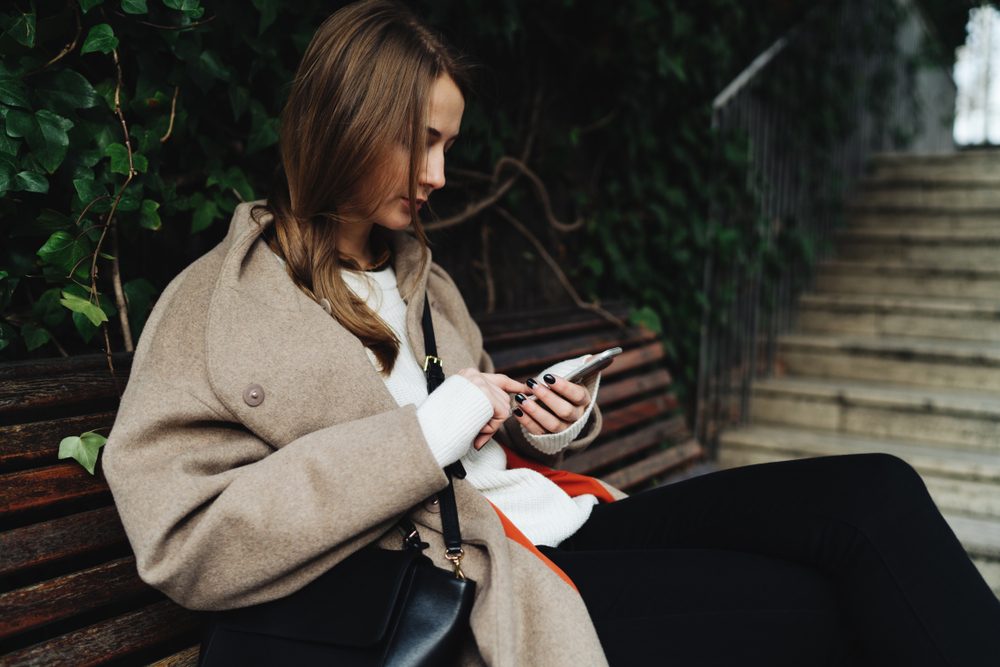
x=69 y=591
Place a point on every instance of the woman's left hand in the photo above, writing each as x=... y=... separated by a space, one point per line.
x=566 y=400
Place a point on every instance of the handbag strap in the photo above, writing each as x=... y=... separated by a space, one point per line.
x=434 y=370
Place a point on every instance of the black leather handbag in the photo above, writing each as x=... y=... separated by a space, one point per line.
x=376 y=607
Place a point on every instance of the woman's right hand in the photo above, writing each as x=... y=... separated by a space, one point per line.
x=498 y=388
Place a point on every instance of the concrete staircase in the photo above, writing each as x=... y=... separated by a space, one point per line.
x=898 y=348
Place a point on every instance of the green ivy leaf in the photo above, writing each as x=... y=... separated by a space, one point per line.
x=210 y=62
x=139 y=295
x=119 y=158
x=268 y=12
x=29 y=181
x=22 y=29
x=183 y=5
x=64 y=251
x=263 y=128
x=34 y=336
x=13 y=93
x=134 y=7
x=204 y=215
x=87 y=5
x=87 y=189
x=8 y=334
x=84 y=448
x=239 y=97
x=149 y=216
x=80 y=305
x=48 y=310
x=101 y=38
x=66 y=90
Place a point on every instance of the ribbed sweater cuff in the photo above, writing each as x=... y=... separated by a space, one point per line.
x=451 y=417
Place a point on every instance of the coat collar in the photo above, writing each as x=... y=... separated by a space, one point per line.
x=263 y=330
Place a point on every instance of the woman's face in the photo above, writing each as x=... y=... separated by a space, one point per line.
x=444 y=121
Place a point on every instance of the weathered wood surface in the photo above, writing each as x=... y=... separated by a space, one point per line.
x=69 y=590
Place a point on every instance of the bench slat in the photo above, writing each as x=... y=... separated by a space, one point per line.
x=37 y=443
x=532 y=360
x=56 y=599
x=500 y=329
x=644 y=355
x=112 y=639
x=635 y=413
x=186 y=658
x=616 y=392
x=45 y=487
x=655 y=464
x=600 y=455
x=59 y=539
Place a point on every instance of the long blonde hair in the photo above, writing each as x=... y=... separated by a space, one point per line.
x=362 y=88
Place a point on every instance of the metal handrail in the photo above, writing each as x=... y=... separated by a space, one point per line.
x=731 y=357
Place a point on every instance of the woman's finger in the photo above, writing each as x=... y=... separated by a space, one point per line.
x=529 y=423
x=562 y=408
x=573 y=392
x=548 y=421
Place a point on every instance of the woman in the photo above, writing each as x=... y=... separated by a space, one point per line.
x=277 y=420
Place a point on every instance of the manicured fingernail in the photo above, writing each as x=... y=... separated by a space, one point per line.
x=548 y=378
x=519 y=397
x=531 y=383
x=519 y=412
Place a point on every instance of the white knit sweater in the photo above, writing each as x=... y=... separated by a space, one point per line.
x=453 y=415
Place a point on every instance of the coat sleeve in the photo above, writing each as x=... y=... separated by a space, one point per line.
x=219 y=519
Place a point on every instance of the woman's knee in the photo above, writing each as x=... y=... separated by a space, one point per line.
x=879 y=476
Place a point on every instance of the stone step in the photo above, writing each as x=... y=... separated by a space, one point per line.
x=919 y=195
x=881 y=315
x=919 y=362
x=941 y=461
x=863 y=218
x=939 y=417
x=943 y=248
x=896 y=278
x=961 y=167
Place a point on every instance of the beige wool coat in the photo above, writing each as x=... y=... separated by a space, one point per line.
x=256 y=446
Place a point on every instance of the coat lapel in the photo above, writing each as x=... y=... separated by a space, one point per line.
x=264 y=333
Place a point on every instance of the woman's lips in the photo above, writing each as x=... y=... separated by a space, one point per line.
x=406 y=200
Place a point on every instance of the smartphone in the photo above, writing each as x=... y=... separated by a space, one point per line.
x=581 y=375
x=596 y=363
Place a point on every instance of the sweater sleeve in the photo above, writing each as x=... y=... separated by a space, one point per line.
x=451 y=417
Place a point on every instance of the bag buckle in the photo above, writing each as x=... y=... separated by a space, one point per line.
x=429 y=358
x=455 y=556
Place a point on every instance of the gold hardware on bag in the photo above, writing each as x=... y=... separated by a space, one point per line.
x=456 y=561
x=429 y=358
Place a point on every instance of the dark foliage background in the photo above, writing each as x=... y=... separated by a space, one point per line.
x=608 y=103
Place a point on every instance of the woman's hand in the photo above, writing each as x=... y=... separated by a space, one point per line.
x=567 y=400
x=497 y=388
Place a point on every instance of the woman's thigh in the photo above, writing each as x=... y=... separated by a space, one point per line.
x=866 y=521
x=707 y=607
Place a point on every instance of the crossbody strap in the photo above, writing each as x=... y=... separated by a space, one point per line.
x=434 y=370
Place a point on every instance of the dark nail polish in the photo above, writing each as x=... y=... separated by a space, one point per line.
x=548 y=378
x=519 y=397
x=519 y=412
x=530 y=382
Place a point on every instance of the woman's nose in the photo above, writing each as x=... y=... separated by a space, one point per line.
x=433 y=176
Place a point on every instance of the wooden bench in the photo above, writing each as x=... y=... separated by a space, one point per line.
x=69 y=591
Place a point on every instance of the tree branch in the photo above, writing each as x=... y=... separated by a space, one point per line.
x=560 y=275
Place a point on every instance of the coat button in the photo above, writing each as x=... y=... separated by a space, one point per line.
x=432 y=504
x=253 y=395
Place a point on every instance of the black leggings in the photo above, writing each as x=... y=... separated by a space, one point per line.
x=834 y=560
